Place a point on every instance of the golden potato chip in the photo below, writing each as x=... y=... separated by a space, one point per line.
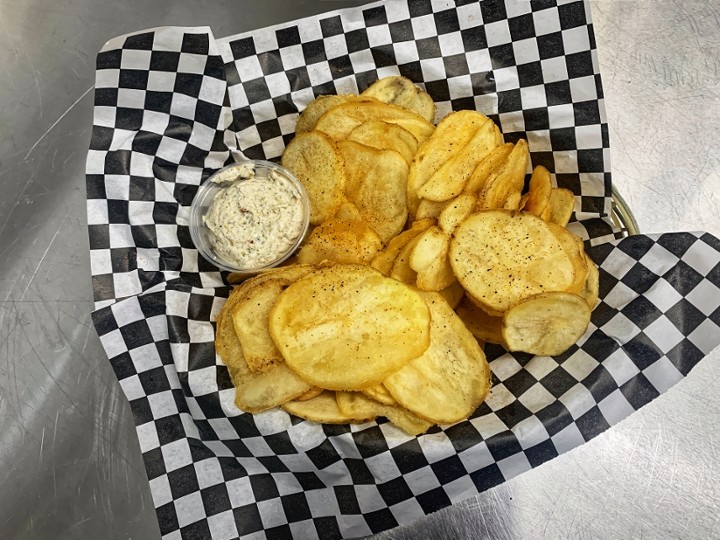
x=451 y=378
x=591 y=290
x=290 y=272
x=347 y=211
x=451 y=135
x=488 y=167
x=485 y=327
x=323 y=409
x=357 y=404
x=452 y=176
x=376 y=184
x=341 y=241
x=383 y=136
x=573 y=246
x=339 y=121
x=538 y=194
x=254 y=392
x=313 y=392
x=347 y=327
x=402 y=92
x=546 y=324
x=456 y=211
x=314 y=159
x=401 y=269
x=380 y=394
x=319 y=106
x=501 y=258
x=429 y=259
x=430 y=209
x=560 y=207
x=384 y=260
x=508 y=182
x=453 y=294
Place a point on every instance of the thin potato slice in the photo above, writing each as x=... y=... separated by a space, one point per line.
x=488 y=167
x=376 y=184
x=314 y=159
x=501 y=258
x=591 y=290
x=341 y=120
x=451 y=378
x=451 y=135
x=313 y=392
x=429 y=259
x=347 y=211
x=319 y=106
x=560 y=207
x=385 y=260
x=547 y=324
x=402 y=92
x=323 y=409
x=573 y=246
x=538 y=194
x=453 y=294
x=430 y=209
x=485 y=327
x=254 y=392
x=357 y=404
x=507 y=183
x=401 y=269
x=456 y=211
x=452 y=177
x=290 y=272
x=383 y=136
x=380 y=394
x=341 y=241
x=359 y=327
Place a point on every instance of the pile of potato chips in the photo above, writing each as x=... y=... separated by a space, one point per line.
x=425 y=244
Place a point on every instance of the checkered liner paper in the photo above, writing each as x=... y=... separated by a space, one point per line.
x=173 y=104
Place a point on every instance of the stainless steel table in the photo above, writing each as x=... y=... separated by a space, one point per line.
x=70 y=465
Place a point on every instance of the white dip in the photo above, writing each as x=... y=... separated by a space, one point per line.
x=256 y=219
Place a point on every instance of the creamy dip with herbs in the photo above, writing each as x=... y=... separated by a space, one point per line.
x=256 y=219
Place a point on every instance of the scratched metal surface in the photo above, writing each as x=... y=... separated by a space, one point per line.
x=70 y=465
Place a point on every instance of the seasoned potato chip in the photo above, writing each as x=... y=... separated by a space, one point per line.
x=347 y=211
x=383 y=136
x=560 y=207
x=341 y=241
x=401 y=269
x=359 y=327
x=573 y=246
x=485 y=327
x=538 y=194
x=380 y=394
x=508 y=182
x=319 y=106
x=384 y=260
x=546 y=324
x=453 y=294
x=376 y=185
x=322 y=408
x=430 y=209
x=591 y=290
x=456 y=211
x=488 y=168
x=451 y=135
x=357 y=404
x=341 y=120
x=290 y=272
x=452 y=176
x=429 y=259
x=402 y=92
x=314 y=159
x=254 y=392
x=501 y=258
x=451 y=378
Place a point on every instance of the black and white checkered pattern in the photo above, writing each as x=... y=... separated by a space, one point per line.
x=172 y=105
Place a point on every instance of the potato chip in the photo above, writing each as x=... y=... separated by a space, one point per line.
x=401 y=269
x=347 y=211
x=380 y=394
x=383 y=136
x=376 y=184
x=546 y=324
x=429 y=259
x=508 y=182
x=573 y=246
x=402 y=92
x=501 y=258
x=430 y=209
x=451 y=135
x=347 y=327
x=488 y=168
x=591 y=290
x=341 y=120
x=341 y=241
x=451 y=378
x=560 y=207
x=385 y=260
x=313 y=392
x=456 y=211
x=538 y=194
x=319 y=106
x=453 y=294
x=485 y=327
x=290 y=272
x=357 y=404
x=323 y=409
x=452 y=176
x=314 y=159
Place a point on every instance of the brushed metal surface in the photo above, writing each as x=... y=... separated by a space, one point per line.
x=70 y=465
